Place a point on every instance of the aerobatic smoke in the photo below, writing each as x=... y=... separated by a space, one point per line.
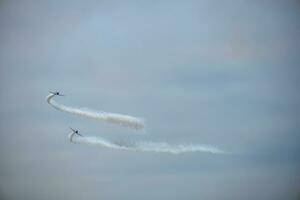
x=145 y=146
x=123 y=120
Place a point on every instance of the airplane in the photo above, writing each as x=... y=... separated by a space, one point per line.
x=72 y=134
x=56 y=93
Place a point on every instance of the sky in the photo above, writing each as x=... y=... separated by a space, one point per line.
x=223 y=73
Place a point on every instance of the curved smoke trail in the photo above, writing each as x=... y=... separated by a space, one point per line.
x=145 y=146
x=123 y=120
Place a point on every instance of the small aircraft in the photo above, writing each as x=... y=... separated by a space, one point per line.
x=56 y=93
x=75 y=132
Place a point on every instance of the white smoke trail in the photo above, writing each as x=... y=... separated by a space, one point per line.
x=123 y=120
x=145 y=146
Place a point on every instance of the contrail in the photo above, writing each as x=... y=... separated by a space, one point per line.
x=145 y=146
x=123 y=120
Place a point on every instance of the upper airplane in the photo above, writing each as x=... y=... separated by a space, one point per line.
x=56 y=93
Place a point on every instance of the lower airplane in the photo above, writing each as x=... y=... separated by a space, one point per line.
x=75 y=132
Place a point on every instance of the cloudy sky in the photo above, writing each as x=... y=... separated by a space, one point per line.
x=224 y=73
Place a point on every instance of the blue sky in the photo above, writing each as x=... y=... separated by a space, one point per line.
x=224 y=73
